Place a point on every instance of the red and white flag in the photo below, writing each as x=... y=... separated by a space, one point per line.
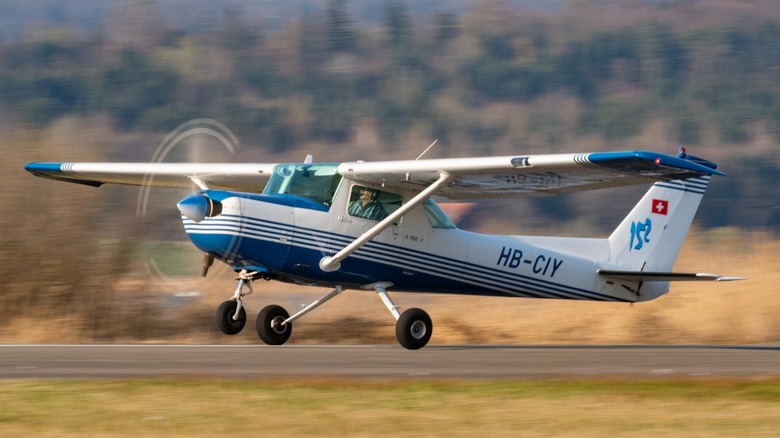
x=660 y=206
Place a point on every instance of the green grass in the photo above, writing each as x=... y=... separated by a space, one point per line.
x=363 y=408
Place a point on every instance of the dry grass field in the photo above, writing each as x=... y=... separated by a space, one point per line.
x=744 y=312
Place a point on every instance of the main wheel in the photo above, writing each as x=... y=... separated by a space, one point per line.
x=414 y=329
x=269 y=326
x=225 y=321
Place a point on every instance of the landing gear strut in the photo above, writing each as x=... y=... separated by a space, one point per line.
x=274 y=325
x=231 y=316
x=413 y=328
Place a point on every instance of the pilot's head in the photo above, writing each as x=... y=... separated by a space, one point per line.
x=367 y=195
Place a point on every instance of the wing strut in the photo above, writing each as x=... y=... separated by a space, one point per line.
x=199 y=182
x=333 y=263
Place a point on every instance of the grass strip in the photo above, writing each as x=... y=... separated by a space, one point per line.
x=361 y=408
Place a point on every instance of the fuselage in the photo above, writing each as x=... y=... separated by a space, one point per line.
x=286 y=235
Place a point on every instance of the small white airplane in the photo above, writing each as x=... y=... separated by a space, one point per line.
x=374 y=226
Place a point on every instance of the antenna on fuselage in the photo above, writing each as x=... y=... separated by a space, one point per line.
x=309 y=159
x=426 y=149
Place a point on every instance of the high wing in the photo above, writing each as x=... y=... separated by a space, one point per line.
x=239 y=177
x=530 y=175
x=477 y=177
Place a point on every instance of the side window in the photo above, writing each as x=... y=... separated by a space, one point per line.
x=437 y=218
x=369 y=203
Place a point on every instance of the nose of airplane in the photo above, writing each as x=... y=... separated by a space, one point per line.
x=195 y=206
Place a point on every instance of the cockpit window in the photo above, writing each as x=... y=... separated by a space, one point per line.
x=315 y=182
x=369 y=203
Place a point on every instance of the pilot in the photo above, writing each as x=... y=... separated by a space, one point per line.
x=368 y=206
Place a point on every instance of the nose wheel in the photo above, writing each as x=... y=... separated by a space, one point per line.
x=231 y=316
x=230 y=319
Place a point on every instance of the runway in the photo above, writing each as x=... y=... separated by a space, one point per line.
x=384 y=361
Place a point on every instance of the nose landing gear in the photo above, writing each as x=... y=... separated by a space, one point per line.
x=230 y=319
x=231 y=316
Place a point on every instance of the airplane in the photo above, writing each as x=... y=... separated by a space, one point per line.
x=375 y=226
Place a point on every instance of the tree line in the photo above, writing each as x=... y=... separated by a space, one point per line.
x=450 y=75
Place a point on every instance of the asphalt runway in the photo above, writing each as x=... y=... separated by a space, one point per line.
x=384 y=361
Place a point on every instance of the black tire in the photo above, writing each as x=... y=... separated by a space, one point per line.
x=225 y=321
x=414 y=329
x=268 y=327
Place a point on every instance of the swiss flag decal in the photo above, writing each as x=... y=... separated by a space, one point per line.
x=660 y=206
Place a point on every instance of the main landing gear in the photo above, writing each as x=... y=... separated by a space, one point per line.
x=413 y=327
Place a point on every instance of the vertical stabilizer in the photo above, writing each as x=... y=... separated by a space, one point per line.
x=650 y=237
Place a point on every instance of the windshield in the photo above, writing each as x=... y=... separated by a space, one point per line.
x=316 y=182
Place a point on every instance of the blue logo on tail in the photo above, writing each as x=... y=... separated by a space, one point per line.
x=640 y=233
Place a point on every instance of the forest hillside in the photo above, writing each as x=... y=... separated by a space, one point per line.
x=492 y=77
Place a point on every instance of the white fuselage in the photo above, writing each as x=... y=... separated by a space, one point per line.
x=289 y=240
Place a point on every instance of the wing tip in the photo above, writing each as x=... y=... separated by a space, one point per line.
x=36 y=168
x=650 y=161
x=55 y=171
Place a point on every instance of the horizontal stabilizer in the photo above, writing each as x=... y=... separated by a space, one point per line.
x=664 y=276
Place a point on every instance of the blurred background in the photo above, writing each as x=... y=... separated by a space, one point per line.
x=89 y=80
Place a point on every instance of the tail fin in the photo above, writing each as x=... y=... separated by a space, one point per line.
x=650 y=237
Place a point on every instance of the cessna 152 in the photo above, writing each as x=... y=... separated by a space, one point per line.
x=374 y=226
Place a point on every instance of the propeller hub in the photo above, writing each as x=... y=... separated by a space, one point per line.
x=196 y=207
